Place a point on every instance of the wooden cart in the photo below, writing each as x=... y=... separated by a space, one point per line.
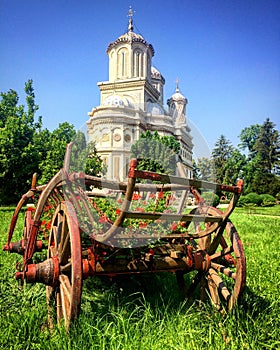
x=80 y=226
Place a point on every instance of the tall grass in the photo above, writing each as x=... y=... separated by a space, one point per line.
x=148 y=312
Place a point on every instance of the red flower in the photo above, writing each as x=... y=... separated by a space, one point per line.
x=174 y=226
x=119 y=201
x=140 y=209
x=161 y=195
x=151 y=251
x=152 y=195
x=103 y=219
x=143 y=224
x=136 y=196
x=118 y=211
x=30 y=209
x=48 y=226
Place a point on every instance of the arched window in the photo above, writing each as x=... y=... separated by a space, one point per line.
x=138 y=63
x=122 y=63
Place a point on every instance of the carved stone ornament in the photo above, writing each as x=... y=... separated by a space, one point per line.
x=127 y=138
x=117 y=137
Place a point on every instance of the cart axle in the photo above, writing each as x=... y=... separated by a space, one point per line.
x=19 y=247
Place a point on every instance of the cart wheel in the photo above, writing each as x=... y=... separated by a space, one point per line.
x=225 y=279
x=64 y=298
x=27 y=224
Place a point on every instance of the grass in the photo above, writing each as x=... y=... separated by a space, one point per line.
x=148 y=312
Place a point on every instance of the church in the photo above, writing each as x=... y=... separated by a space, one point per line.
x=132 y=102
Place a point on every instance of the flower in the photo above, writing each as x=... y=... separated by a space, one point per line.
x=140 y=209
x=136 y=196
x=118 y=211
x=174 y=226
x=143 y=224
x=161 y=195
x=102 y=219
x=48 y=226
x=30 y=209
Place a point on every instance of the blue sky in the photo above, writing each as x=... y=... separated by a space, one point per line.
x=225 y=53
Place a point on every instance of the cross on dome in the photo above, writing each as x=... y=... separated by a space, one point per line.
x=177 y=85
x=130 y=15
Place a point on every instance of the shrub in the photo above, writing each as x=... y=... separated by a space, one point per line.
x=211 y=198
x=253 y=198
x=267 y=200
x=243 y=201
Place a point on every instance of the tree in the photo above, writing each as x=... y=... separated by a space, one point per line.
x=18 y=155
x=268 y=147
x=51 y=147
x=204 y=169
x=234 y=167
x=156 y=153
x=248 y=138
x=220 y=155
x=262 y=164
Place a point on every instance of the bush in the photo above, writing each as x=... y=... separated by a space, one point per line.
x=243 y=201
x=267 y=200
x=211 y=198
x=253 y=198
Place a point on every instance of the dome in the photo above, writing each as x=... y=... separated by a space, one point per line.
x=130 y=37
x=155 y=74
x=116 y=100
x=177 y=96
x=154 y=108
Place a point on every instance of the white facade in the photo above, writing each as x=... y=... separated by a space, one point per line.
x=131 y=102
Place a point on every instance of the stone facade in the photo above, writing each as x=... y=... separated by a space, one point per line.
x=131 y=102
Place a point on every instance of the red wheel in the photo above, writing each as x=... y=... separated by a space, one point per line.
x=225 y=278
x=65 y=245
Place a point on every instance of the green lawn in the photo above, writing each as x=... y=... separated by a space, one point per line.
x=148 y=312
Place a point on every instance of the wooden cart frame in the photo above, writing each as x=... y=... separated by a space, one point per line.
x=79 y=239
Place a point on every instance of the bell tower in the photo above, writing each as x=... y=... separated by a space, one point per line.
x=130 y=64
x=131 y=102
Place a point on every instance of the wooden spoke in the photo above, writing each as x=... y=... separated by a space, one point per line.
x=225 y=270
x=214 y=295
x=65 y=244
x=224 y=279
x=219 y=283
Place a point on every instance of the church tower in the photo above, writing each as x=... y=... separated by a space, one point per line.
x=131 y=102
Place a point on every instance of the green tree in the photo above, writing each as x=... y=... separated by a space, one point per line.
x=234 y=167
x=262 y=164
x=52 y=147
x=205 y=169
x=156 y=153
x=268 y=147
x=18 y=155
x=248 y=138
x=220 y=155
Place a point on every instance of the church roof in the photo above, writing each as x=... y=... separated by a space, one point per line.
x=177 y=95
x=130 y=37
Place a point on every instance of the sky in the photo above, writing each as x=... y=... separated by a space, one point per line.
x=225 y=54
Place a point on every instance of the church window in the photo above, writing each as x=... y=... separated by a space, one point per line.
x=137 y=66
x=122 y=63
